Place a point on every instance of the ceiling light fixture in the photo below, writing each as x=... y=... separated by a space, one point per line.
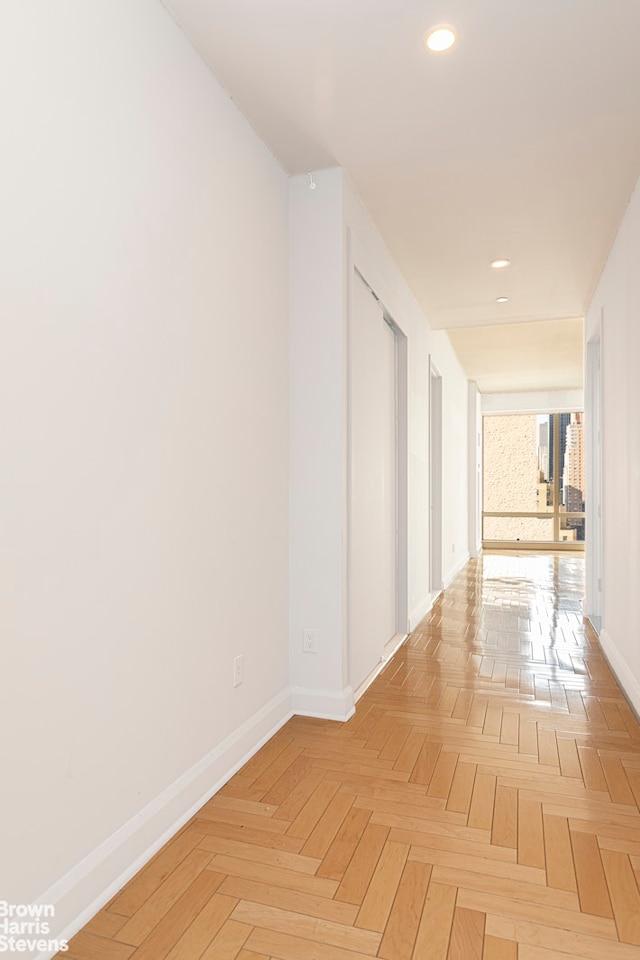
x=502 y=299
x=499 y=264
x=439 y=39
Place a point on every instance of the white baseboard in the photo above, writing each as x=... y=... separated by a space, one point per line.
x=323 y=704
x=620 y=667
x=85 y=889
x=420 y=611
x=453 y=573
x=391 y=647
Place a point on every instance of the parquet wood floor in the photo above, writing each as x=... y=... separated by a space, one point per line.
x=482 y=804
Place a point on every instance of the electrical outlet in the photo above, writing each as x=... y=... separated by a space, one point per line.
x=310 y=641
x=238 y=671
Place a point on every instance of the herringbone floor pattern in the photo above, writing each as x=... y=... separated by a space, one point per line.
x=481 y=805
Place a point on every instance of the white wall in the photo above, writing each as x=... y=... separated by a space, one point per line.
x=148 y=449
x=373 y=586
x=617 y=302
x=331 y=235
x=455 y=444
x=475 y=470
x=534 y=401
x=317 y=435
x=144 y=478
x=370 y=255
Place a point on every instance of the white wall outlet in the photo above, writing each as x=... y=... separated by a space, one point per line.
x=238 y=671
x=310 y=641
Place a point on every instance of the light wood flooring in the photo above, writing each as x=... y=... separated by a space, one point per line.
x=482 y=804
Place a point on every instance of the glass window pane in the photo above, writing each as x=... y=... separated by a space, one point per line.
x=518 y=463
x=572 y=463
x=534 y=463
x=572 y=529
x=518 y=528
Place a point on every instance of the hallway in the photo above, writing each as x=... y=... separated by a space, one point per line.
x=482 y=804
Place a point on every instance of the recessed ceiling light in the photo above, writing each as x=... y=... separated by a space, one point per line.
x=439 y=38
x=499 y=264
x=502 y=299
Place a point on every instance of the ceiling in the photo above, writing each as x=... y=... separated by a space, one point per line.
x=548 y=355
x=522 y=141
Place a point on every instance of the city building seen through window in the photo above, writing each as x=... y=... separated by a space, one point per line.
x=534 y=478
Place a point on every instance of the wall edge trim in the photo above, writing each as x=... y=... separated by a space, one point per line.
x=323 y=704
x=622 y=671
x=420 y=610
x=80 y=893
x=455 y=570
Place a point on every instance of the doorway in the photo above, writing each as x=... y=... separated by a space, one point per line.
x=377 y=483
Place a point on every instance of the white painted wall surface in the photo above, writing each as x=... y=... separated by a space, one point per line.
x=617 y=301
x=331 y=233
x=373 y=258
x=455 y=473
x=534 y=401
x=475 y=470
x=372 y=484
x=144 y=477
x=318 y=426
x=148 y=452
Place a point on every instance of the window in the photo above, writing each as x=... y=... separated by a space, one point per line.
x=534 y=479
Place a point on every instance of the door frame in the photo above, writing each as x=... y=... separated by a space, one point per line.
x=401 y=477
x=594 y=587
